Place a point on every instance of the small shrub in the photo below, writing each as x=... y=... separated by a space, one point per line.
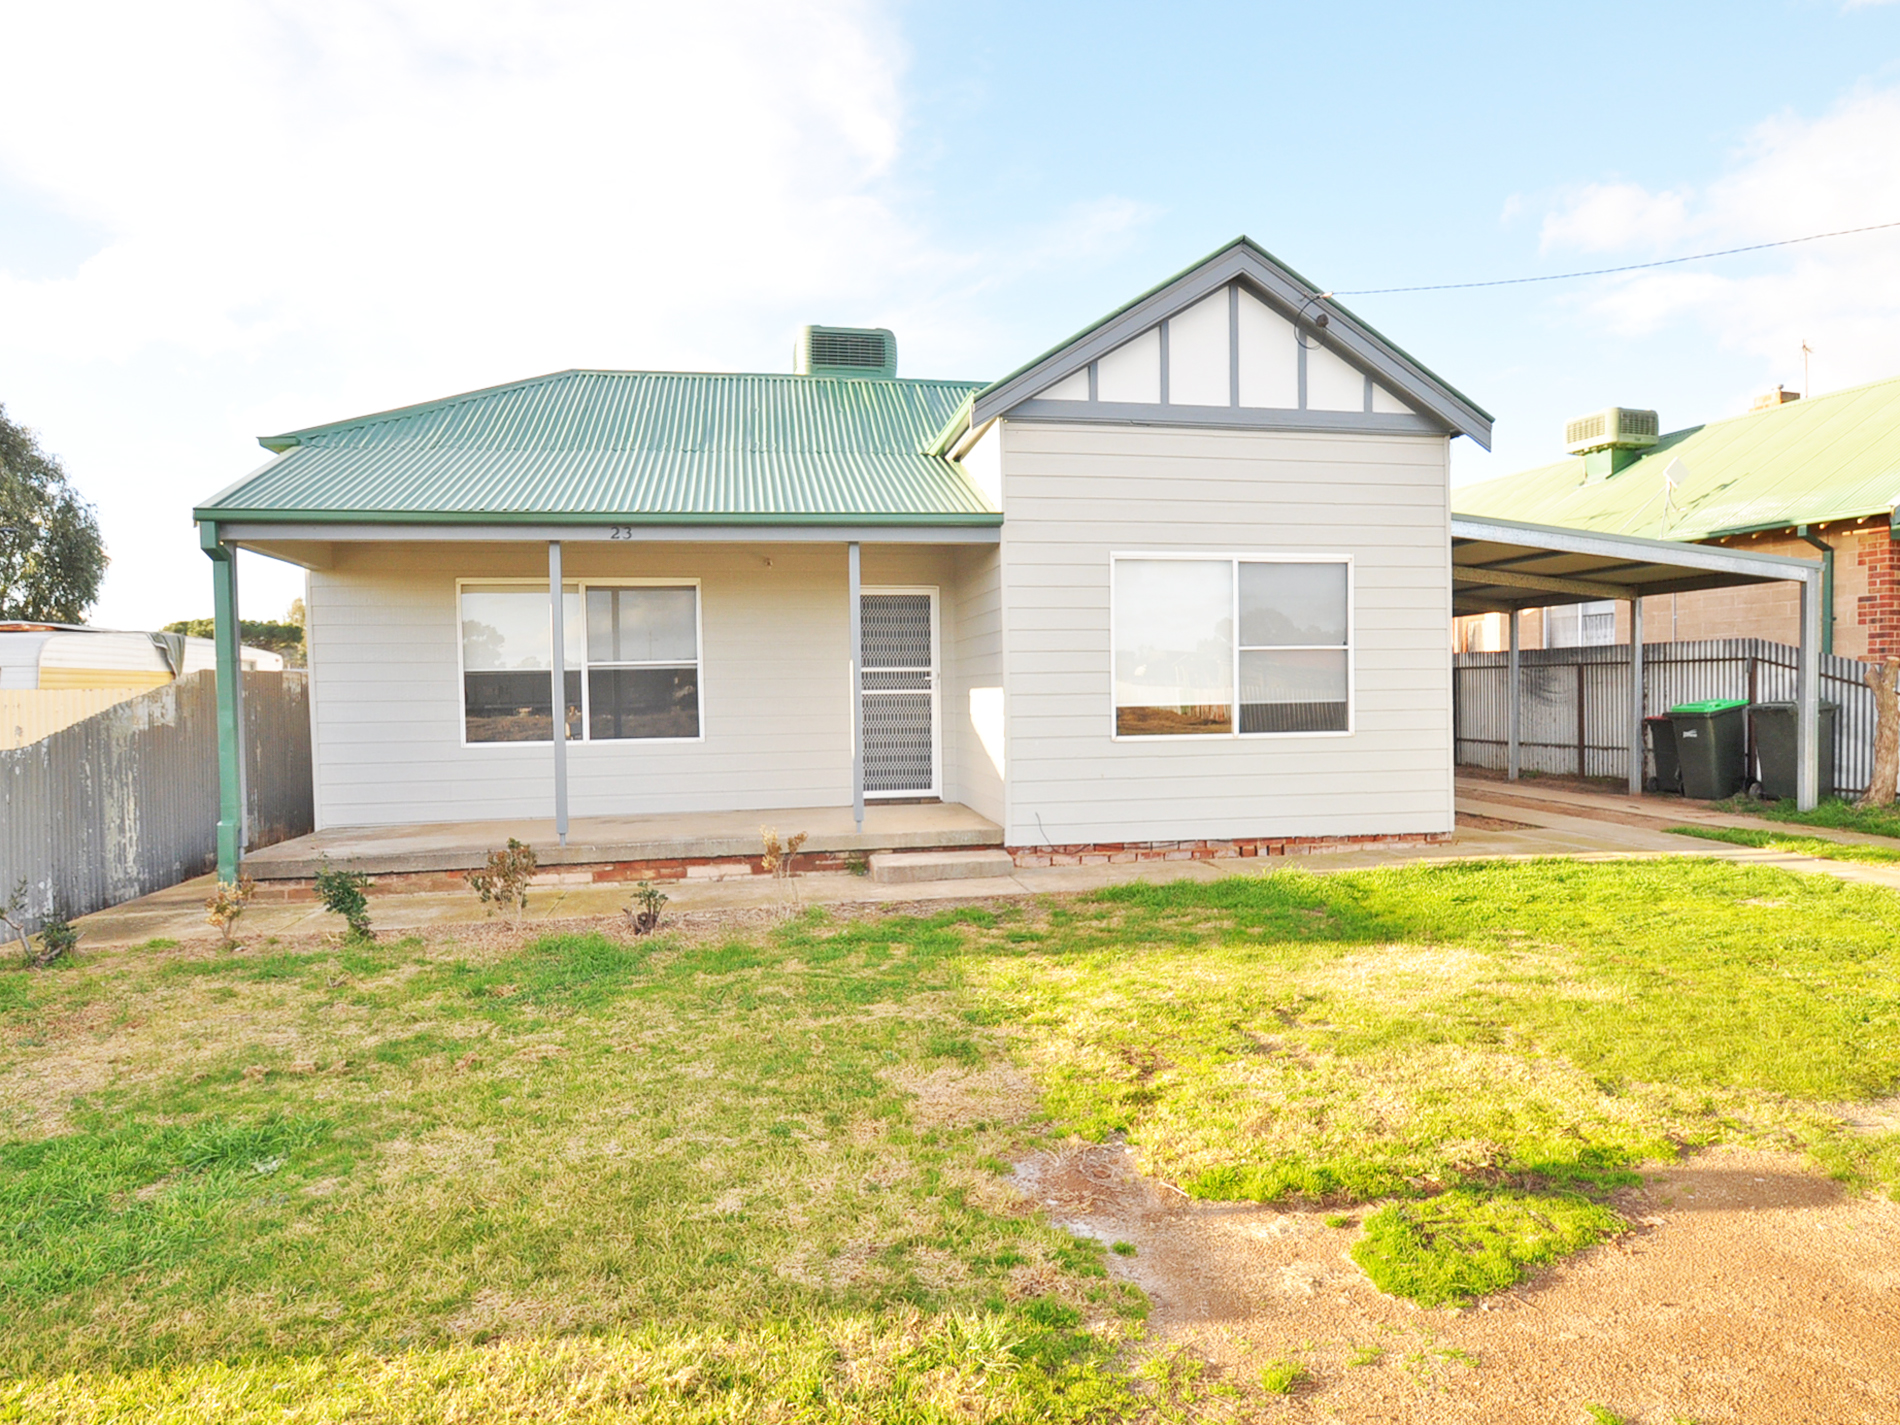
x=1339 y=1219
x=1280 y=1377
x=643 y=912
x=57 y=938
x=778 y=862
x=503 y=882
x=224 y=907
x=1124 y=1249
x=13 y=916
x=342 y=894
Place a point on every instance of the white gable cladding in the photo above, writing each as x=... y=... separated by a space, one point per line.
x=1131 y=374
x=1198 y=365
x=1228 y=349
x=1269 y=357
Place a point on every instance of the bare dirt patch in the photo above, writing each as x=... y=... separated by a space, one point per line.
x=1748 y=1289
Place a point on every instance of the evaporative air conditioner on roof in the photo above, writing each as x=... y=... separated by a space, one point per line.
x=845 y=351
x=1612 y=428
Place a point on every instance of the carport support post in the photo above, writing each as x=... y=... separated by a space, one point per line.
x=1510 y=716
x=228 y=638
x=854 y=580
x=1636 y=696
x=1807 y=696
x=559 y=663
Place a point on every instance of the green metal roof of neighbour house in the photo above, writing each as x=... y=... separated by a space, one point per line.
x=628 y=446
x=1832 y=457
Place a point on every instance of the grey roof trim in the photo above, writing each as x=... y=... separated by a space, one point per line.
x=1228 y=417
x=241 y=531
x=1346 y=335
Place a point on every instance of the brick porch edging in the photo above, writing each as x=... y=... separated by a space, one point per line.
x=733 y=868
x=1107 y=853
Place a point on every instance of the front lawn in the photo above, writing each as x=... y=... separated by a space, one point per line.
x=1823 y=847
x=761 y=1173
x=1834 y=813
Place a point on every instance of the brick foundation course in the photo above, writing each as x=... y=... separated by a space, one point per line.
x=738 y=868
x=1113 y=853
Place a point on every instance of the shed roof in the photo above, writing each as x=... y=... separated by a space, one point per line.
x=1500 y=565
x=1833 y=457
x=638 y=446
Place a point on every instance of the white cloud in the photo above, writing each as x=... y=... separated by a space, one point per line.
x=1794 y=176
x=1609 y=217
x=396 y=178
x=309 y=210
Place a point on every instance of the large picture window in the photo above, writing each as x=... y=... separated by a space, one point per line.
x=631 y=654
x=1231 y=646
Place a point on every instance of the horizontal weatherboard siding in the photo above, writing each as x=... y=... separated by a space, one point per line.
x=1077 y=494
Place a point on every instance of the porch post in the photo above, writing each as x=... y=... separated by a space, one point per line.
x=1807 y=696
x=1636 y=696
x=228 y=638
x=854 y=579
x=559 y=662
x=1510 y=713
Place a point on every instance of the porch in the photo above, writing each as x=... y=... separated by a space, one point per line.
x=660 y=846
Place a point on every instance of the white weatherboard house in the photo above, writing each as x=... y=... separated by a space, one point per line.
x=1187 y=578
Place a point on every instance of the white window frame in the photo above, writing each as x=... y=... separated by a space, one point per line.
x=583 y=585
x=1237 y=559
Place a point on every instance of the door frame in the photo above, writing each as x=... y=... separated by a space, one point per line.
x=936 y=688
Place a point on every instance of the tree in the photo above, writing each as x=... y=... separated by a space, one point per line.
x=1884 y=678
x=285 y=637
x=51 y=556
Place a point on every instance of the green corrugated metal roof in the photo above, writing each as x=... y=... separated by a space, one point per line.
x=634 y=445
x=1833 y=457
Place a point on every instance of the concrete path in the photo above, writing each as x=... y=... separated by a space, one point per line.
x=1496 y=820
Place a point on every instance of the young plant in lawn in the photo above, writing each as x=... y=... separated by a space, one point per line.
x=342 y=894
x=57 y=939
x=503 y=882
x=643 y=912
x=13 y=917
x=778 y=862
x=224 y=907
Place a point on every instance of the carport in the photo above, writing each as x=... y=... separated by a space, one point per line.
x=1499 y=566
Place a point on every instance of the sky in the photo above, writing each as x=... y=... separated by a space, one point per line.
x=225 y=218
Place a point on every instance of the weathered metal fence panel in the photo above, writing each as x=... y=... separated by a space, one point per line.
x=125 y=802
x=1574 y=703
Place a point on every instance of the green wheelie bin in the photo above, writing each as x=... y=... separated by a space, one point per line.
x=1711 y=747
x=1774 y=747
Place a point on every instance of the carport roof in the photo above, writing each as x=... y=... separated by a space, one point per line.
x=1501 y=565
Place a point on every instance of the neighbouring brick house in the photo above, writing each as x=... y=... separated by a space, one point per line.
x=1792 y=477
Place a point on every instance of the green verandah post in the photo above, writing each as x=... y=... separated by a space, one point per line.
x=228 y=636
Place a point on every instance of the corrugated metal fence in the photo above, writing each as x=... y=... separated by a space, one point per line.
x=1573 y=703
x=126 y=802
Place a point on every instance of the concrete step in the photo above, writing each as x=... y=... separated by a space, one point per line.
x=902 y=867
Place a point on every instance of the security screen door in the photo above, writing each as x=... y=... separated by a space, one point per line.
x=899 y=658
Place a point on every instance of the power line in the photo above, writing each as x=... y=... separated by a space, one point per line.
x=1627 y=267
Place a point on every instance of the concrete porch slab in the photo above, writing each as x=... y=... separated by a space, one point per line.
x=597 y=840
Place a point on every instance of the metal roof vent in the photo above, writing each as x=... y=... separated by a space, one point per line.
x=845 y=351
x=1612 y=428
